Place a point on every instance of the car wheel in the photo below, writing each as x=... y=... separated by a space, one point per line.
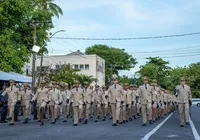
x=198 y=104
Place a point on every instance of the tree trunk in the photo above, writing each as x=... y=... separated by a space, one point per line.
x=41 y=61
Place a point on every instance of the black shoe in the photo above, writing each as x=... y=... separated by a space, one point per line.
x=75 y=125
x=153 y=121
x=138 y=114
x=110 y=118
x=85 y=122
x=11 y=124
x=9 y=119
x=90 y=117
x=114 y=124
x=126 y=120
x=103 y=119
x=144 y=124
x=65 y=121
x=130 y=119
x=35 y=118
x=98 y=117
x=39 y=121
x=80 y=120
x=25 y=122
x=121 y=122
x=53 y=122
x=181 y=125
x=134 y=117
x=96 y=121
x=150 y=122
x=187 y=123
x=117 y=121
x=41 y=124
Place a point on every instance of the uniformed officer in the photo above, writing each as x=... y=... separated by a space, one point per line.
x=105 y=102
x=145 y=93
x=155 y=97
x=89 y=99
x=184 y=99
x=43 y=98
x=123 y=112
x=77 y=95
x=115 y=98
x=13 y=98
x=98 y=100
x=66 y=93
x=55 y=99
x=26 y=97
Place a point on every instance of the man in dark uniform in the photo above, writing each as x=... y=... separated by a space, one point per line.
x=3 y=107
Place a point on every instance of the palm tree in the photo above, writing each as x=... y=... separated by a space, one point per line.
x=51 y=7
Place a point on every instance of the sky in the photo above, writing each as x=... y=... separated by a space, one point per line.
x=131 y=18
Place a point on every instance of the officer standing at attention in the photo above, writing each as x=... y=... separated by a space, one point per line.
x=13 y=98
x=145 y=92
x=184 y=99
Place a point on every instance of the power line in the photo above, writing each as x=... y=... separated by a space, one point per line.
x=176 y=56
x=178 y=49
x=131 y=38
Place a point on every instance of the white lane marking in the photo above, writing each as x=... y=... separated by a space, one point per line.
x=194 y=131
x=148 y=135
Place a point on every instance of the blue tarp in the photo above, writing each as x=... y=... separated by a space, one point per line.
x=21 y=78
x=15 y=76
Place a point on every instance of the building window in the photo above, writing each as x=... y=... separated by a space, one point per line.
x=76 y=66
x=27 y=72
x=87 y=67
x=81 y=67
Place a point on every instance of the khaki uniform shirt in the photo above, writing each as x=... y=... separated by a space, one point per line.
x=55 y=96
x=66 y=95
x=145 y=94
x=183 y=94
x=77 y=95
x=115 y=94
x=26 y=96
x=89 y=96
x=13 y=94
x=41 y=95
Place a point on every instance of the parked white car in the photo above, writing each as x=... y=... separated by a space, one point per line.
x=196 y=101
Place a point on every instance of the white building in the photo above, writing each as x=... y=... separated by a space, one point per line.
x=90 y=65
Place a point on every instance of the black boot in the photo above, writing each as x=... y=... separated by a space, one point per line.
x=26 y=121
x=85 y=122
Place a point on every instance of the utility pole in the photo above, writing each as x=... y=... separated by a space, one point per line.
x=112 y=67
x=34 y=53
x=34 y=56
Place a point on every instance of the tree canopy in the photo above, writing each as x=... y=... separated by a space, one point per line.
x=115 y=56
x=16 y=30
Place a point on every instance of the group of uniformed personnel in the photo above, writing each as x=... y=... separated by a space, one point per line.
x=122 y=102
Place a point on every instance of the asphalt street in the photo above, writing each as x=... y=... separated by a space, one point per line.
x=165 y=129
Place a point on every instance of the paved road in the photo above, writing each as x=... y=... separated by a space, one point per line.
x=133 y=130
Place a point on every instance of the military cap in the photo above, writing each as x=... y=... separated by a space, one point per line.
x=25 y=84
x=182 y=79
x=154 y=81
x=54 y=82
x=43 y=81
x=126 y=84
x=121 y=84
x=145 y=78
x=76 y=82
x=114 y=77
x=11 y=80
x=96 y=86
x=104 y=87
x=65 y=84
x=85 y=83
x=131 y=85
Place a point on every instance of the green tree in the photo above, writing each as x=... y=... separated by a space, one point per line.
x=16 y=30
x=155 y=68
x=82 y=78
x=115 y=56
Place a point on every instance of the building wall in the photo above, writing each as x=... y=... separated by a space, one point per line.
x=93 y=61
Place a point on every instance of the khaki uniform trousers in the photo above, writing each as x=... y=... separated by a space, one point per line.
x=86 y=111
x=78 y=113
x=115 y=109
x=123 y=113
x=54 y=111
x=25 y=109
x=184 y=112
x=11 y=111
x=65 y=110
x=146 y=109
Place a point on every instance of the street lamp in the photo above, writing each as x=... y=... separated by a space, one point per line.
x=42 y=53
